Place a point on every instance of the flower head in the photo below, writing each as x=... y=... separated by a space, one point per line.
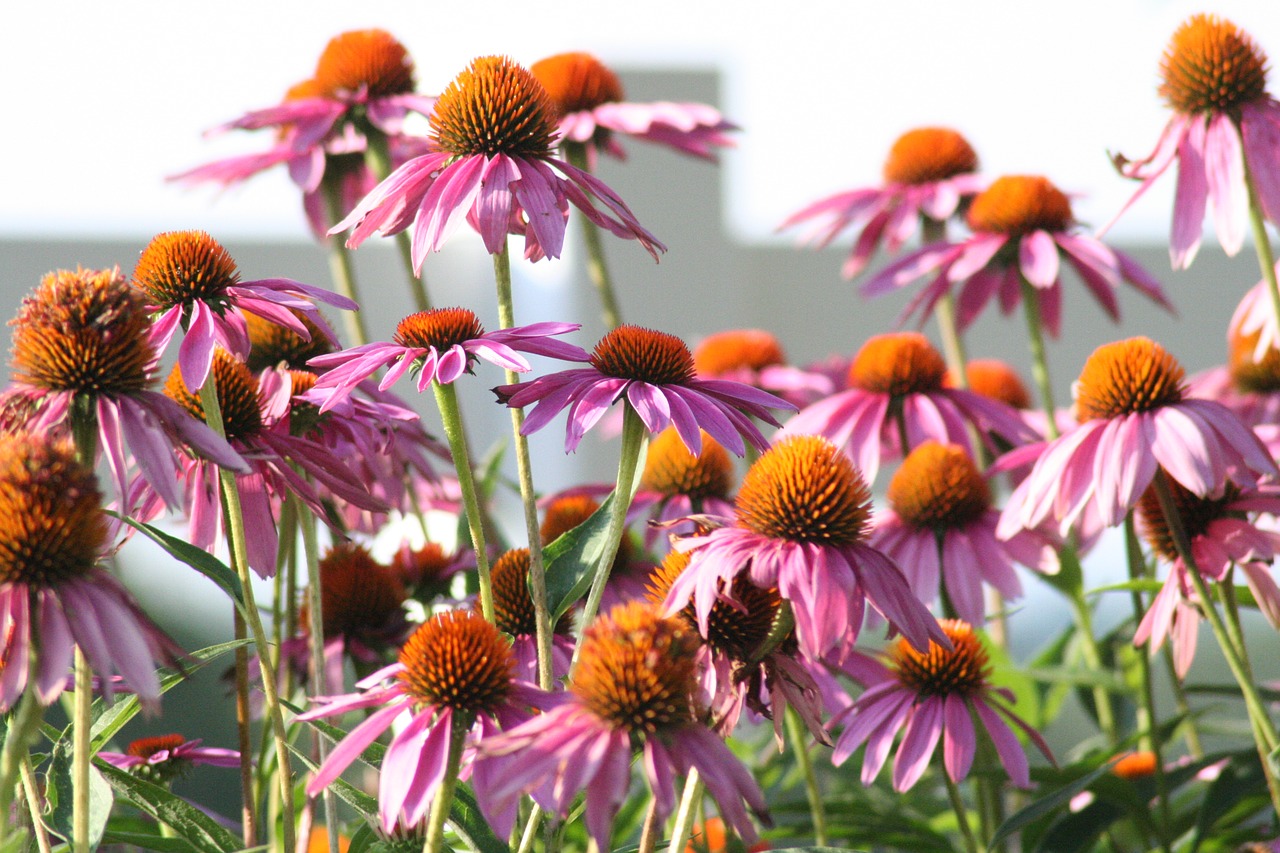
x=755 y=357
x=930 y=696
x=1224 y=127
x=654 y=373
x=929 y=174
x=676 y=483
x=163 y=758
x=492 y=131
x=588 y=101
x=513 y=613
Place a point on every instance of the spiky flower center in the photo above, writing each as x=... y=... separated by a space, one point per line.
x=52 y=529
x=441 y=328
x=85 y=331
x=181 y=267
x=643 y=355
x=939 y=487
x=738 y=349
x=636 y=670
x=458 y=660
x=428 y=567
x=271 y=344
x=1249 y=376
x=898 y=363
x=1195 y=514
x=735 y=629
x=996 y=380
x=929 y=154
x=368 y=60
x=803 y=489
x=493 y=107
x=237 y=390
x=962 y=671
x=670 y=469
x=1019 y=204
x=512 y=604
x=577 y=81
x=149 y=746
x=358 y=595
x=1126 y=377
x=1212 y=66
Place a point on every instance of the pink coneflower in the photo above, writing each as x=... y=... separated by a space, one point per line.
x=1249 y=384
x=654 y=373
x=1022 y=231
x=632 y=689
x=513 y=613
x=163 y=758
x=1135 y=418
x=439 y=345
x=456 y=670
x=427 y=572
x=802 y=515
x=1221 y=537
x=929 y=174
x=940 y=525
x=755 y=357
x=676 y=484
x=896 y=391
x=53 y=594
x=82 y=340
x=931 y=696
x=588 y=101
x=363 y=82
x=493 y=129
x=1225 y=131
x=191 y=281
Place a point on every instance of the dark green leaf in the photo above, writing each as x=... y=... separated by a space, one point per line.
x=197 y=558
x=187 y=821
x=148 y=841
x=470 y=824
x=16 y=842
x=1140 y=585
x=572 y=558
x=1046 y=805
x=58 y=791
x=1240 y=786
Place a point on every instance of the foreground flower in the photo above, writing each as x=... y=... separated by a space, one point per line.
x=801 y=525
x=440 y=346
x=929 y=173
x=632 y=689
x=932 y=696
x=493 y=129
x=1135 y=419
x=163 y=758
x=53 y=594
x=190 y=280
x=654 y=373
x=1225 y=133
x=455 y=667
x=588 y=101
x=1022 y=231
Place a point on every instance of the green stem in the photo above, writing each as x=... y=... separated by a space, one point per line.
x=1089 y=649
x=344 y=277
x=649 y=829
x=530 y=829
x=1189 y=731
x=451 y=417
x=32 y=791
x=444 y=797
x=1039 y=361
x=234 y=523
x=962 y=814
x=799 y=745
x=597 y=266
x=22 y=728
x=377 y=156
x=81 y=752
x=244 y=737
x=689 y=801
x=528 y=497
x=315 y=630
x=944 y=311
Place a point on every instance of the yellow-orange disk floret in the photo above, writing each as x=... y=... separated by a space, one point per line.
x=962 y=671
x=1019 y=204
x=897 y=363
x=1126 y=377
x=458 y=660
x=1212 y=66
x=494 y=107
x=928 y=154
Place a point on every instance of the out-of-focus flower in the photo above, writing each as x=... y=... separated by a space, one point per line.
x=755 y=357
x=163 y=758
x=514 y=615
x=710 y=837
x=676 y=484
x=930 y=173
x=428 y=572
x=589 y=103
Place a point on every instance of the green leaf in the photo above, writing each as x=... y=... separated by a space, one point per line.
x=572 y=558
x=364 y=804
x=1046 y=805
x=188 y=822
x=58 y=791
x=197 y=558
x=470 y=824
x=1141 y=585
x=16 y=842
x=1240 y=787
x=1007 y=674
x=148 y=841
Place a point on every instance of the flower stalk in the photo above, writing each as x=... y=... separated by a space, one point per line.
x=799 y=745
x=451 y=418
x=340 y=268
x=597 y=264
x=434 y=842
x=377 y=155
x=1039 y=360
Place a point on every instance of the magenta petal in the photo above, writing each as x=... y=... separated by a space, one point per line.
x=919 y=739
x=959 y=739
x=195 y=353
x=1224 y=171
x=350 y=747
x=1038 y=258
x=1189 y=202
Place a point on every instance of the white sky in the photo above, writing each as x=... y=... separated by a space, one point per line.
x=107 y=98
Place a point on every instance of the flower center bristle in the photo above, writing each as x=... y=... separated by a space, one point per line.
x=897 y=363
x=441 y=328
x=1126 y=377
x=181 y=267
x=358 y=595
x=643 y=355
x=670 y=469
x=493 y=107
x=368 y=60
x=271 y=344
x=85 y=331
x=938 y=486
x=1019 y=204
x=512 y=604
x=237 y=390
x=427 y=570
x=149 y=746
x=803 y=489
x=962 y=671
x=739 y=349
x=929 y=154
x=1249 y=376
x=996 y=380
x=458 y=660
x=52 y=529
x=577 y=82
x=1212 y=66
x=637 y=670
x=1194 y=512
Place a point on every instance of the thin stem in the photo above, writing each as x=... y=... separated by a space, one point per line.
x=649 y=829
x=528 y=497
x=32 y=791
x=689 y=801
x=315 y=629
x=1039 y=361
x=800 y=746
x=377 y=156
x=81 y=752
x=1089 y=648
x=23 y=726
x=597 y=265
x=244 y=737
x=1262 y=243
x=962 y=814
x=344 y=277
x=451 y=417
x=234 y=523
x=1192 y=735
x=944 y=311
x=444 y=797
x=530 y=829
